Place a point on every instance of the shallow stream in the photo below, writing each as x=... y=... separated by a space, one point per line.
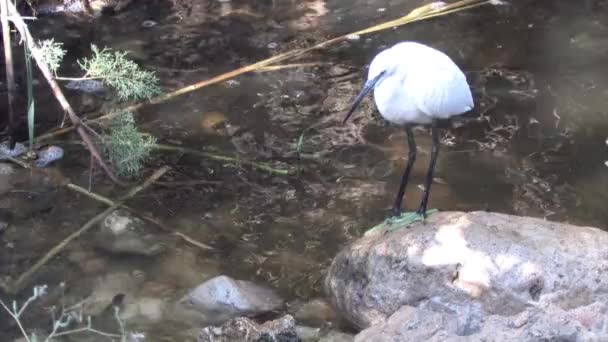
x=535 y=144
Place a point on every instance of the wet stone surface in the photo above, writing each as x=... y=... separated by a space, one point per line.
x=120 y=232
x=245 y=330
x=222 y=298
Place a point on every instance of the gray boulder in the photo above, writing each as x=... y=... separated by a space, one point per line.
x=411 y=324
x=222 y=298
x=465 y=273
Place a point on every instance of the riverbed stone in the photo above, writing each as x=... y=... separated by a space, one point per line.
x=468 y=274
x=242 y=329
x=420 y=324
x=108 y=286
x=122 y=233
x=336 y=336
x=316 y=312
x=222 y=298
x=308 y=334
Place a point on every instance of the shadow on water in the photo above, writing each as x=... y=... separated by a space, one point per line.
x=535 y=144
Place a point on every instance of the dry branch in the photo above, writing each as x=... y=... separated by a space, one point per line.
x=219 y=157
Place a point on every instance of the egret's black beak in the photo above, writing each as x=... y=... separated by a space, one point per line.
x=369 y=86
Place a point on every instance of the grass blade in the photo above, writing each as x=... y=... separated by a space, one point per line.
x=30 y=96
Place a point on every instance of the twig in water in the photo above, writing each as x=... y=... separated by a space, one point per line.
x=188 y=183
x=236 y=160
x=18 y=284
x=152 y=220
x=105 y=200
x=194 y=242
x=288 y=66
x=102 y=199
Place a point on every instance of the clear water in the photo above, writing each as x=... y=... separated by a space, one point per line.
x=535 y=145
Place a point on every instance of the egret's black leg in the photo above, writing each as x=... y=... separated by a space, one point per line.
x=411 y=158
x=429 y=174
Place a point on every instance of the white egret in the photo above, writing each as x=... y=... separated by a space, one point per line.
x=415 y=84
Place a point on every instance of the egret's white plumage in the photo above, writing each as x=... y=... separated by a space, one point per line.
x=416 y=84
x=419 y=84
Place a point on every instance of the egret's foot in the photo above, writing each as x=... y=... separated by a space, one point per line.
x=394 y=213
x=422 y=212
x=402 y=221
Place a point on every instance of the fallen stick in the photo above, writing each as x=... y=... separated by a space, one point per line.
x=100 y=198
x=18 y=284
x=192 y=241
x=236 y=160
x=145 y=217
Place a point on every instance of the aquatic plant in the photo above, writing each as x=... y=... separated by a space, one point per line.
x=52 y=53
x=70 y=321
x=120 y=73
x=126 y=147
x=112 y=68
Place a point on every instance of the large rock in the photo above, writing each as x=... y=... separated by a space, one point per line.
x=222 y=298
x=463 y=269
x=410 y=324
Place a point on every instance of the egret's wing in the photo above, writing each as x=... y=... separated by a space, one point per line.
x=441 y=91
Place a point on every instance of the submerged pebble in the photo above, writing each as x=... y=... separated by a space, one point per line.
x=222 y=298
x=6 y=169
x=87 y=86
x=122 y=233
x=5 y=151
x=149 y=23
x=48 y=155
x=316 y=313
x=69 y=7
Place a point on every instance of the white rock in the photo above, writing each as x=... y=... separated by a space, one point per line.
x=222 y=298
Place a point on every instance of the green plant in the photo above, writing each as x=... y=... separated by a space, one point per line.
x=52 y=52
x=127 y=148
x=115 y=70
